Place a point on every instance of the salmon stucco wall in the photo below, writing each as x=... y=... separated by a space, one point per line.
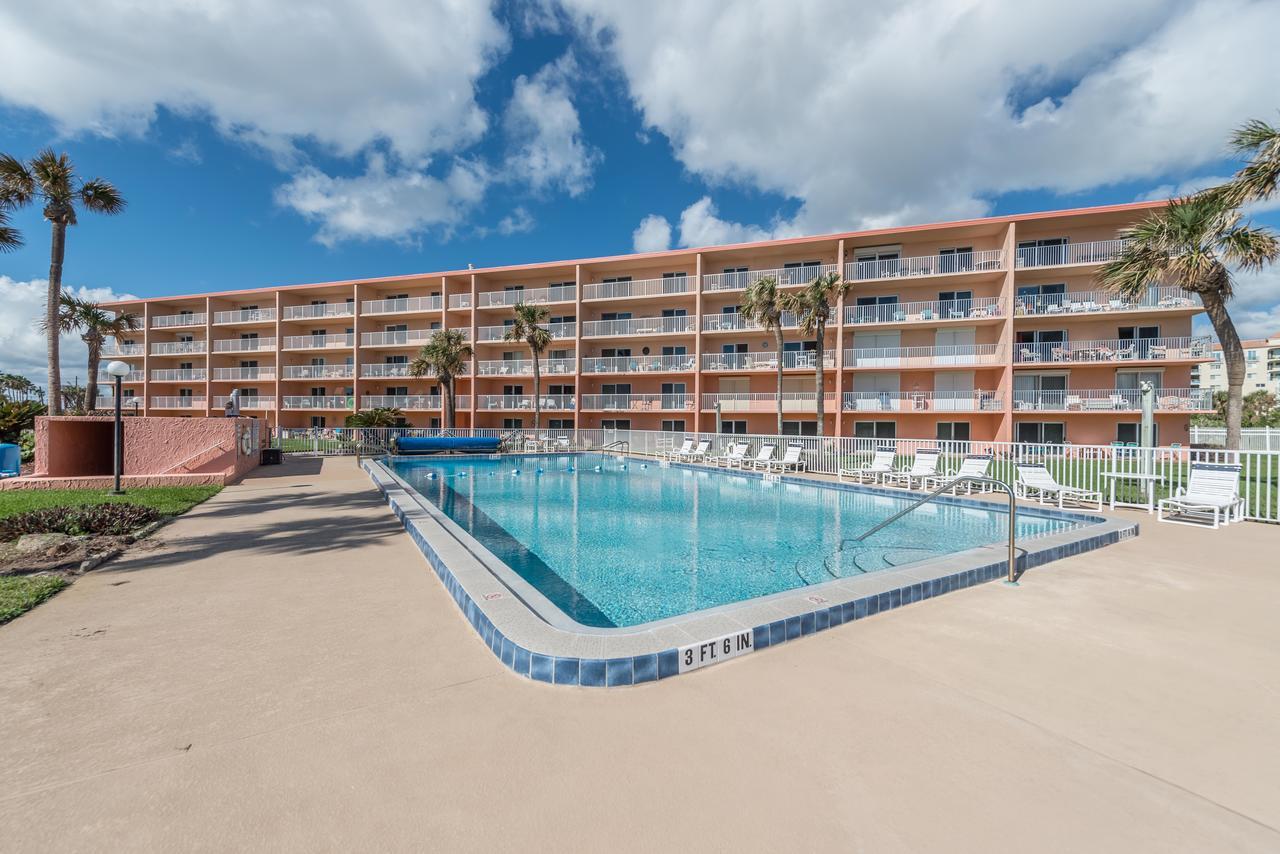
x=75 y=446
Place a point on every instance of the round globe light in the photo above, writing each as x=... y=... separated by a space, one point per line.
x=119 y=369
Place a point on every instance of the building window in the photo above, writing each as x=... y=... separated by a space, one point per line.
x=1042 y=432
x=953 y=431
x=1130 y=433
x=615 y=424
x=317 y=420
x=733 y=427
x=874 y=429
x=800 y=428
x=512 y=423
x=673 y=425
x=560 y=424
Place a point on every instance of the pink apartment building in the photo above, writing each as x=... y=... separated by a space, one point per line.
x=983 y=329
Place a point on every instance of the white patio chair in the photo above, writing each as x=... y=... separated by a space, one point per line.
x=881 y=464
x=1211 y=495
x=763 y=457
x=732 y=456
x=923 y=465
x=698 y=453
x=675 y=453
x=790 y=461
x=1035 y=483
x=973 y=465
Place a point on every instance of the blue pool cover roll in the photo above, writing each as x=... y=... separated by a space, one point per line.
x=441 y=444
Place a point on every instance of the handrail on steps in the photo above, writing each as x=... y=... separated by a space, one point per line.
x=989 y=481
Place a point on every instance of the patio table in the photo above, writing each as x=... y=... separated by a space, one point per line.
x=1145 y=480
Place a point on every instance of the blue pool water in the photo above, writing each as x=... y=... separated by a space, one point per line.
x=619 y=544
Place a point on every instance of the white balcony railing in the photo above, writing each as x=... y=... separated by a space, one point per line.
x=922 y=401
x=985 y=260
x=639 y=288
x=640 y=326
x=169 y=348
x=169 y=321
x=319 y=372
x=639 y=402
x=525 y=401
x=243 y=345
x=736 y=322
x=237 y=374
x=1114 y=350
x=244 y=315
x=122 y=350
x=400 y=401
x=529 y=296
x=399 y=338
x=765 y=361
x=785 y=275
x=311 y=312
x=745 y=402
x=912 y=312
x=379 y=371
x=319 y=342
x=1113 y=400
x=1102 y=302
x=523 y=367
x=131 y=404
x=920 y=357
x=460 y=301
x=329 y=401
x=131 y=377
x=498 y=333
x=401 y=306
x=177 y=375
x=246 y=402
x=637 y=364
x=1095 y=252
x=178 y=402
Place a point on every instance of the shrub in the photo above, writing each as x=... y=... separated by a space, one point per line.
x=27 y=444
x=112 y=519
x=16 y=416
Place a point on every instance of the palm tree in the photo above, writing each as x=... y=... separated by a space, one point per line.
x=95 y=325
x=379 y=416
x=1195 y=241
x=51 y=179
x=528 y=329
x=813 y=305
x=15 y=387
x=10 y=239
x=445 y=355
x=1259 y=179
x=762 y=305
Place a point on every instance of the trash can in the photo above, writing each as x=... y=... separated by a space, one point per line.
x=270 y=457
x=10 y=460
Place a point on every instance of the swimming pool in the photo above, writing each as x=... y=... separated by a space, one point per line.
x=616 y=543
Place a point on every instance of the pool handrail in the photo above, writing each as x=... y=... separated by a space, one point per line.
x=1012 y=577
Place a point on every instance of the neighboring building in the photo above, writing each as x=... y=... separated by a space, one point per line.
x=983 y=329
x=1261 y=366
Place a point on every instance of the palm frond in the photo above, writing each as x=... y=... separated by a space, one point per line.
x=1250 y=248
x=17 y=184
x=1252 y=136
x=762 y=303
x=10 y=237
x=101 y=196
x=445 y=355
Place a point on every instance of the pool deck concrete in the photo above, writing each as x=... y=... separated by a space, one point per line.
x=286 y=673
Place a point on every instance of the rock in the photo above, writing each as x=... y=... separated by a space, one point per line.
x=30 y=544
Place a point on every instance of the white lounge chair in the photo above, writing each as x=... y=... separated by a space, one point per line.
x=676 y=453
x=881 y=465
x=1036 y=483
x=698 y=453
x=973 y=465
x=732 y=456
x=790 y=460
x=763 y=457
x=923 y=465
x=1211 y=495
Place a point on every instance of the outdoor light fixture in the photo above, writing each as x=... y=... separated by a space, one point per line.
x=119 y=370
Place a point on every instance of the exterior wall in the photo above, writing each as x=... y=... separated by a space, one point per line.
x=1262 y=368
x=941 y=308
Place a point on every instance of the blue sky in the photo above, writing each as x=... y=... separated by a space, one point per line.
x=275 y=146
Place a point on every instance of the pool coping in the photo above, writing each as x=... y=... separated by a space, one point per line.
x=534 y=648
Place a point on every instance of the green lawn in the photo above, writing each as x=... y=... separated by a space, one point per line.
x=21 y=593
x=169 y=500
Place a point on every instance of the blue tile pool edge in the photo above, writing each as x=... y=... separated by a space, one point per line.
x=650 y=667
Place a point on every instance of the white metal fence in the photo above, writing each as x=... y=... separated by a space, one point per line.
x=1251 y=438
x=1075 y=465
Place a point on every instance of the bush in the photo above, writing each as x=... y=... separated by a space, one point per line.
x=111 y=519
x=27 y=444
x=16 y=416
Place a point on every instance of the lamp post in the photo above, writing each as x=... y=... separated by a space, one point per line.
x=119 y=370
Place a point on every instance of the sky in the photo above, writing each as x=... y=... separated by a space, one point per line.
x=263 y=144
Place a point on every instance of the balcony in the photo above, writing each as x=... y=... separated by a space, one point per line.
x=177 y=375
x=557 y=330
x=549 y=402
x=319 y=372
x=529 y=296
x=399 y=338
x=330 y=401
x=738 y=322
x=766 y=361
x=638 y=364
x=171 y=321
x=921 y=357
x=180 y=402
x=523 y=367
x=237 y=374
x=129 y=404
x=400 y=401
x=122 y=350
x=984 y=261
x=786 y=276
x=922 y=401
x=1105 y=302
x=401 y=306
x=131 y=377
x=381 y=371
x=1095 y=252
x=1113 y=400
x=255 y=402
x=748 y=402
x=319 y=342
x=244 y=315
x=243 y=345
x=638 y=402
x=177 y=348
x=312 y=312
x=460 y=301
x=1115 y=351
x=924 y=312
x=639 y=288
x=681 y=325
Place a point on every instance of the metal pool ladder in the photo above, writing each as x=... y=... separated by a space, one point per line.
x=988 y=481
x=618 y=445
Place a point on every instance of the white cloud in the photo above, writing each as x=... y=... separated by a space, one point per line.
x=187 y=151
x=545 y=134
x=517 y=222
x=652 y=235
x=1256 y=306
x=700 y=226
x=925 y=111
x=22 y=341
x=387 y=204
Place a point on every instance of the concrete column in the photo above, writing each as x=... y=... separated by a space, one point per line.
x=146 y=357
x=208 y=356
x=697 y=345
x=577 y=346
x=839 y=342
x=355 y=349
x=279 y=354
x=1008 y=292
x=474 y=339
